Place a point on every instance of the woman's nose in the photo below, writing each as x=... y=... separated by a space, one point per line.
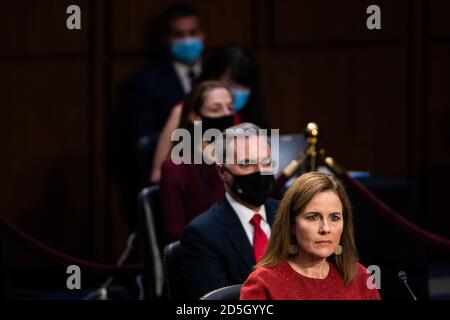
x=324 y=228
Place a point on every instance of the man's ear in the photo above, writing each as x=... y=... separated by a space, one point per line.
x=221 y=171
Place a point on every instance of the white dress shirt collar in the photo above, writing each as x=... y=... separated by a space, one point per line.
x=246 y=214
x=182 y=71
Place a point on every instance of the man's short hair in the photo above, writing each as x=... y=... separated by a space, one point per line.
x=245 y=129
x=177 y=11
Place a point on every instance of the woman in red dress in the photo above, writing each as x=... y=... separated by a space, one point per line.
x=311 y=253
x=188 y=188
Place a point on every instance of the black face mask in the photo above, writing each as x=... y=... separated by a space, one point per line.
x=220 y=123
x=253 y=188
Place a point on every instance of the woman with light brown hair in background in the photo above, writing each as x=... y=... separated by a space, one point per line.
x=188 y=189
x=311 y=253
x=238 y=69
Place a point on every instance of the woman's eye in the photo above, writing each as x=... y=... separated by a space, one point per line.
x=312 y=218
x=335 y=218
x=213 y=108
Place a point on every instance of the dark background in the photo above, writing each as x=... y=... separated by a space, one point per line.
x=381 y=98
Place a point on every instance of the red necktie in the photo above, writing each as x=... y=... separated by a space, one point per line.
x=259 y=238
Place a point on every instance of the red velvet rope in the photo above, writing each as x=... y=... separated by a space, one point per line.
x=391 y=215
x=15 y=231
x=382 y=208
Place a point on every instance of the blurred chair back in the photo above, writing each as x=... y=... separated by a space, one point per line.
x=148 y=226
x=226 y=293
x=172 y=272
x=145 y=150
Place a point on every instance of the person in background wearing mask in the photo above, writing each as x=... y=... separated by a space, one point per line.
x=221 y=246
x=238 y=69
x=235 y=67
x=188 y=189
x=149 y=96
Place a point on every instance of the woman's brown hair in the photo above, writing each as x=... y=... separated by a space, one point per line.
x=195 y=100
x=293 y=203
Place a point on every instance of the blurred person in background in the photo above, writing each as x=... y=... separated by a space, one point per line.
x=187 y=189
x=235 y=67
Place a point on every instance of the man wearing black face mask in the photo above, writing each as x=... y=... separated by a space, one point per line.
x=221 y=246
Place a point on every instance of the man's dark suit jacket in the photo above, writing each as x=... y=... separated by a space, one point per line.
x=146 y=101
x=215 y=250
x=150 y=95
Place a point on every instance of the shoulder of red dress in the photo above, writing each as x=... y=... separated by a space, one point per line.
x=169 y=165
x=360 y=267
x=267 y=271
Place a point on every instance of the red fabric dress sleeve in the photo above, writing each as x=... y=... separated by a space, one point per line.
x=254 y=288
x=174 y=218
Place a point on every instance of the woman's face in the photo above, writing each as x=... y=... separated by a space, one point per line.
x=217 y=103
x=319 y=227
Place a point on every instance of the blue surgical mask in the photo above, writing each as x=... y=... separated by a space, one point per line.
x=187 y=50
x=240 y=98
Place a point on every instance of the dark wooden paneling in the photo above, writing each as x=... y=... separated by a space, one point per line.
x=439 y=18
x=300 y=22
x=121 y=69
x=45 y=136
x=225 y=22
x=39 y=27
x=357 y=95
x=438 y=138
